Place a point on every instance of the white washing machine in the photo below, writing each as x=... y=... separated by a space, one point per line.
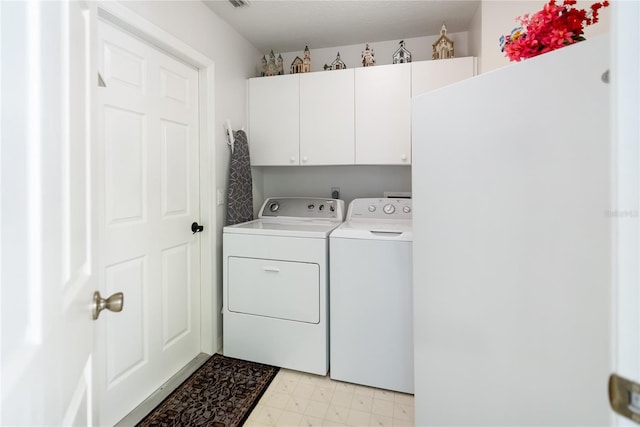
x=275 y=284
x=371 y=303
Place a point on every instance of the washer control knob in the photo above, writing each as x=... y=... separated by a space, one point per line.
x=274 y=206
x=321 y=207
x=406 y=209
x=311 y=206
x=372 y=208
x=389 y=209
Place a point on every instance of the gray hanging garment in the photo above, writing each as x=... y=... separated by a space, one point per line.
x=240 y=196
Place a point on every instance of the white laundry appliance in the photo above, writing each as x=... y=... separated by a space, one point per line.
x=371 y=303
x=275 y=284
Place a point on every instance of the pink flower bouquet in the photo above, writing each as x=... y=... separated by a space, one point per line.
x=551 y=28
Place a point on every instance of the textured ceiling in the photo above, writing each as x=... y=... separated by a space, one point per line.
x=285 y=25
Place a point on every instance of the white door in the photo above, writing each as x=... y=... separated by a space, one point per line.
x=624 y=214
x=383 y=115
x=274 y=120
x=47 y=234
x=149 y=197
x=327 y=133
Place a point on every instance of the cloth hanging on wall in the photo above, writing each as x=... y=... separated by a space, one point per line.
x=240 y=195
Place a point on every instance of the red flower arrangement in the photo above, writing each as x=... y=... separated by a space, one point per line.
x=551 y=28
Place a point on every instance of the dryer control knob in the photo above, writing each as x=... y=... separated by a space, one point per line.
x=406 y=209
x=274 y=206
x=389 y=209
x=372 y=208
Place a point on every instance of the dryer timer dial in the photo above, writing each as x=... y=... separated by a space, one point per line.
x=389 y=209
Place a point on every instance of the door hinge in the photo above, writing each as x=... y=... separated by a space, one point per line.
x=624 y=397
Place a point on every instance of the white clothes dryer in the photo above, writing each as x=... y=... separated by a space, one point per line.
x=371 y=303
x=275 y=284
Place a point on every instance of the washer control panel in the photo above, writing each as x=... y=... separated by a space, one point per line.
x=381 y=208
x=302 y=207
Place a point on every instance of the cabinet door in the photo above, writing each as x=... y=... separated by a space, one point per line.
x=327 y=118
x=274 y=120
x=429 y=75
x=383 y=115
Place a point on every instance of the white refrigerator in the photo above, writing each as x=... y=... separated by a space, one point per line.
x=512 y=229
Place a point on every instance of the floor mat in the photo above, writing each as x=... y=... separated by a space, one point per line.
x=221 y=393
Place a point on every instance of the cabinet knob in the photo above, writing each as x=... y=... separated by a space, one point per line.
x=292 y=159
x=304 y=159
x=404 y=157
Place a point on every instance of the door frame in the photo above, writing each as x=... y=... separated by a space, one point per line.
x=127 y=20
x=625 y=204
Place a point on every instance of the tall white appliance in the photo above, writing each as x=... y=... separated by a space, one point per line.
x=511 y=250
x=275 y=284
x=371 y=297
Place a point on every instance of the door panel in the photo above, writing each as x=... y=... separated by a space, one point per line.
x=175 y=169
x=124 y=164
x=176 y=310
x=124 y=66
x=125 y=333
x=149 y=131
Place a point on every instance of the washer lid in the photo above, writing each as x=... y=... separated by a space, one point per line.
x=397 y=230
x=311 y=228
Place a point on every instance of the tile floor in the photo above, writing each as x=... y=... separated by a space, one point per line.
x=300 y=399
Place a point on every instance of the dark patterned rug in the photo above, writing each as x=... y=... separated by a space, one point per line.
x=221 y=393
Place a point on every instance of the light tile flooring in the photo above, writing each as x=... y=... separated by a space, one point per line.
x=300 y=399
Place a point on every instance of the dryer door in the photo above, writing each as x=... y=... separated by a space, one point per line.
x=272 y=288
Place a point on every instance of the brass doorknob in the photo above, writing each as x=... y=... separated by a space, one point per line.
x=113 y=303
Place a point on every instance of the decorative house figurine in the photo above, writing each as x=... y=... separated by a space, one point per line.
x=280 y=65
x=271 y=69
x=443 y=47
x=296 y=66
x=401 y=55
x=263 y=70
x=306 y=61
x=302 y=65
x=367 y=57
x=337 y=64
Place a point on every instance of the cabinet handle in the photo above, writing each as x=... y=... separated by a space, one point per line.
x=272 y=269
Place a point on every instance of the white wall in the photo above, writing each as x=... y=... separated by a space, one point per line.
x=235 y=61
x=317 y=181
x=475 y=34
x=498 y=18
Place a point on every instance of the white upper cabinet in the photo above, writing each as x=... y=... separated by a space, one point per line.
x=358 y=116
x=383 y=115
x=327 y=118
x=429 y=75
x=274 y=120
